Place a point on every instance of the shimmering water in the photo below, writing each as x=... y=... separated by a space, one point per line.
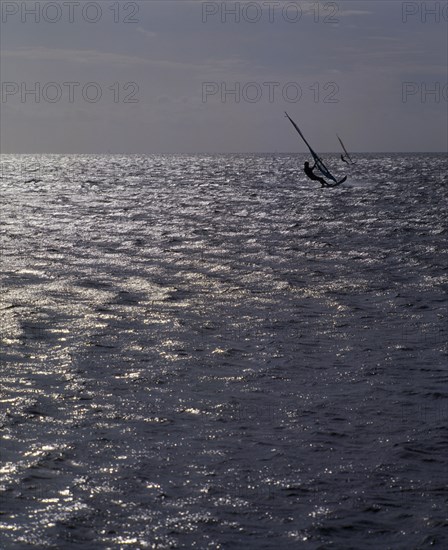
x=213 y=352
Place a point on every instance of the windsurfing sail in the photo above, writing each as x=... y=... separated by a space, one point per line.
x=345 y=150
x=319 y=162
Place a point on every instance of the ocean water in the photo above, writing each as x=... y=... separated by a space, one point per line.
x=213 y=352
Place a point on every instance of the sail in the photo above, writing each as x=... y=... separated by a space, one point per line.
x=345 y=150
x=319 y=162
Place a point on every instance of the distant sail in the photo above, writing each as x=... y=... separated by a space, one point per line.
x=345 y=151
x=319 y=162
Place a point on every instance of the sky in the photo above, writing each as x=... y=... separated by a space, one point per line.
x=188 y=76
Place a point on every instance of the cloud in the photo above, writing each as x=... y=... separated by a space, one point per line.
x=69 y=55
x=350 y=13
x=93 y=57
x=145 y=32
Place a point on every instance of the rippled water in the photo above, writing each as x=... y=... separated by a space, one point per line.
x=213 y=352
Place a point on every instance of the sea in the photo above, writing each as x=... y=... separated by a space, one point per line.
x=214 y=352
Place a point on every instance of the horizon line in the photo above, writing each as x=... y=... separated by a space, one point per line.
x=274 y=153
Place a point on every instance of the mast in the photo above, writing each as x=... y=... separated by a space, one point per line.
x=319 y=162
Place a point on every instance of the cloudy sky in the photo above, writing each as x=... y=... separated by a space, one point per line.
x=192 y=76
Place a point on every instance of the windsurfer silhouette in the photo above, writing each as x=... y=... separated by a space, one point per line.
x=344 y=159
x=309 y=172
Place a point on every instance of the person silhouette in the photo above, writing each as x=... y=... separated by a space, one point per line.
x=309 y=172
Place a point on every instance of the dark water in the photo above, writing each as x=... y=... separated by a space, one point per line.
x=212 y=352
